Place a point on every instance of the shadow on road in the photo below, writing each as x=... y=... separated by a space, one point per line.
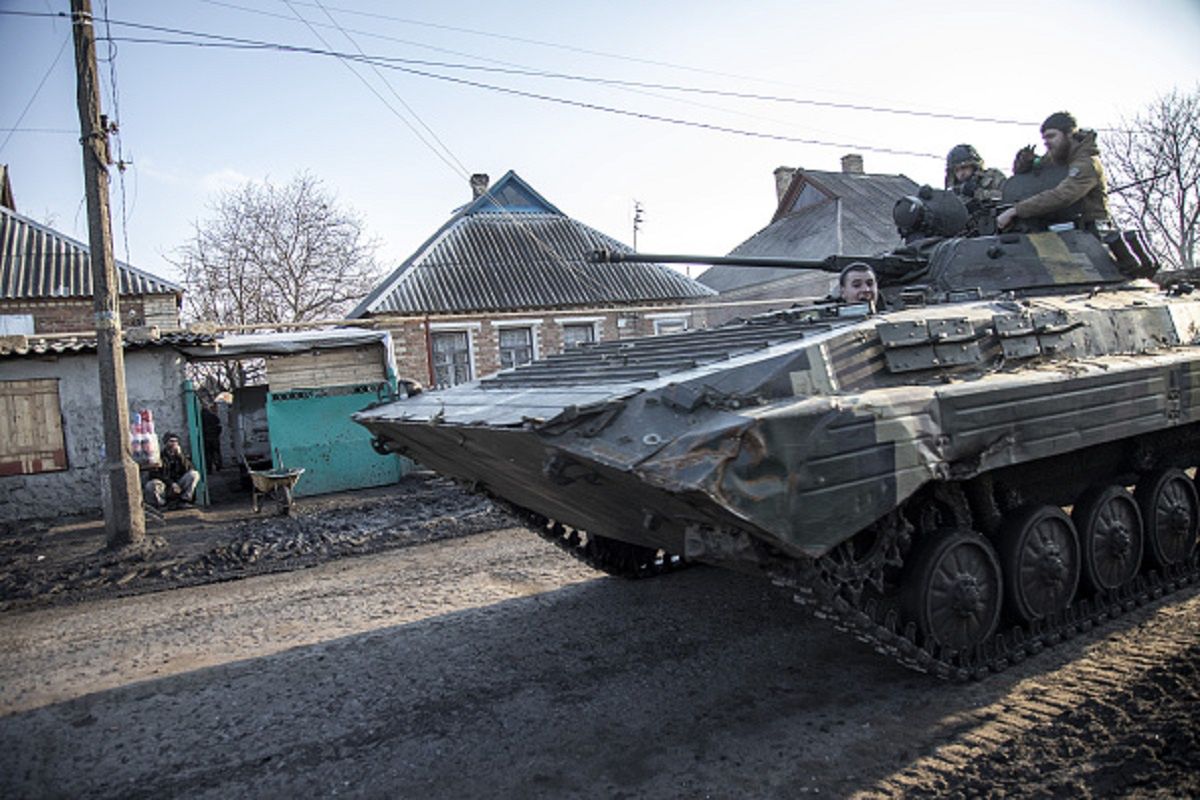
x=702 y=683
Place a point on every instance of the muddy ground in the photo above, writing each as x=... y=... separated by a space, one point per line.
x=436 y=664
x=48 y=562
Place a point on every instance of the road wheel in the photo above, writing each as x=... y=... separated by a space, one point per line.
x=1039 y=551
x=1109 y=524
x=1167 y=499
x=953 y=589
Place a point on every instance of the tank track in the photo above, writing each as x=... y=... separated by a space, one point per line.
x=813 y=587
x=871 y=624
x=608 y=555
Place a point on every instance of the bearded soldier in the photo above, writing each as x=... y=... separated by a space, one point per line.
x=1084 y=182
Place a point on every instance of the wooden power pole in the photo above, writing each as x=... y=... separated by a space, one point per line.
x=124 y=519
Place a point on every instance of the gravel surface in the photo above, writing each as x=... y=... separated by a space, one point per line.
x=494 y=666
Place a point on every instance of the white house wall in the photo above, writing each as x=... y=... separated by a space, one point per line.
x=153 y=377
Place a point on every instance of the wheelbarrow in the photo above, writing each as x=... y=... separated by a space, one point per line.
x=274 y=484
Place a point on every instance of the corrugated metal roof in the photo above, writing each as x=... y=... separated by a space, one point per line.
x=17 y=346
x=39 y=262
x=512 y=250
x=861 y=226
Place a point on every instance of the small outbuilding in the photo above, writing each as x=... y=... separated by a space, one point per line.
x=300 y=415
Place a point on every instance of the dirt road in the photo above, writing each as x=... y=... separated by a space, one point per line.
x=493 y=666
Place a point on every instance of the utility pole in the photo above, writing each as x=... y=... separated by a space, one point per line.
x=637 y=222
x=124 y=519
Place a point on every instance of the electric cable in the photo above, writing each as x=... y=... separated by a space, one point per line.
x=258 y=45
x=17 y=125
x=116 y=131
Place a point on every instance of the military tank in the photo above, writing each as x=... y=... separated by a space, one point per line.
x=993 y=460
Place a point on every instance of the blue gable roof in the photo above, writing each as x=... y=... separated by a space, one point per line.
x=510 y=194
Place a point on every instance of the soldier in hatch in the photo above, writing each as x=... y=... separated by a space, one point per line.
x=1084 y=183
x=980 y=188
x=857 y=284
x=966 y=176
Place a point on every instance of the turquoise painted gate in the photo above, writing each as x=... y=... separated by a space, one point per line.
x=195 y=434
x=311 y=428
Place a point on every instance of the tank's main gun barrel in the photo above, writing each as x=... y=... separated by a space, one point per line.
x=890 y=269
x=616 y=257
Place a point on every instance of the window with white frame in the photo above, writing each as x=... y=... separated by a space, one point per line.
x=451 y=358
x=577 y=333
x=516 y=347
x=13 y=324
x=667 y=325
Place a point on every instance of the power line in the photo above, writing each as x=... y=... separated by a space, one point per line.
x=449 y=156
x=540 y=43
x=516 y=70
x=237 y=43
x=116 y=130
x=547 y=248
x=17 y=125
x=472 y=56
x=538 y=242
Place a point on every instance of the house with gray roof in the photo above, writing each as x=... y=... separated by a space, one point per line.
x=51 y=438
x=507 y=279
x=46 y=283
x=818 y=214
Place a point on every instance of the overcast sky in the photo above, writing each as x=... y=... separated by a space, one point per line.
x=196 y=120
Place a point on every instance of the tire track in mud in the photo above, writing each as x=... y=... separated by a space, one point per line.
x=1119 y=720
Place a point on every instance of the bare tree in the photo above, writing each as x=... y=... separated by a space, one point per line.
x=270 y=254
x=1156 y=159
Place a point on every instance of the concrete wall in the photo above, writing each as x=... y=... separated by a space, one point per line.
x=154 y=378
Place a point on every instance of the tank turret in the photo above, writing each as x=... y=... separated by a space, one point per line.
x=937 y=263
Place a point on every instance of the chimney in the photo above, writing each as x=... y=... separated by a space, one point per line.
x=852 y=164
x=783 y=179
x=479 y=184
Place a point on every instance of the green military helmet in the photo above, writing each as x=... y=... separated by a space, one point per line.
x=963 y=154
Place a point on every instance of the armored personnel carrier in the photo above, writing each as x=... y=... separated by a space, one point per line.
x=993 y=460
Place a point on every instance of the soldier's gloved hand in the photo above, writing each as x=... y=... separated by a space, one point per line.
x=969 y=186
x=1024 y=160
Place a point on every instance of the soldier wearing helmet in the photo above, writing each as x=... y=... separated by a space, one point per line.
x=1084 y=183
x=978 y=186
x=966 y=175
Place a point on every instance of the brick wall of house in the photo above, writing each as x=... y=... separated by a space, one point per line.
x=75 y=314
x=410 y=341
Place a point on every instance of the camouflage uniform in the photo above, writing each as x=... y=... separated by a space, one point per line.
x=981 y=193
x=1085 y=183
x=988 y=185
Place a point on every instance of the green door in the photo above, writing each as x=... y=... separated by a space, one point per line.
x=311 y=428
